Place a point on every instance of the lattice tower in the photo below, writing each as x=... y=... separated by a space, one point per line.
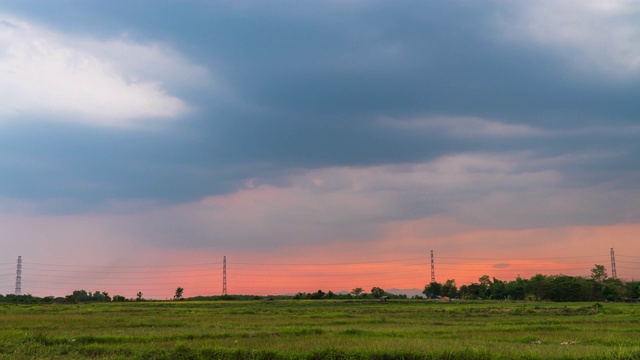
x=613 y=265
x=433 y=269
x=224 y=275
x=19 y=276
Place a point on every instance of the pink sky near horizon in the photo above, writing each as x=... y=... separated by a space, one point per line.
x=344 y=265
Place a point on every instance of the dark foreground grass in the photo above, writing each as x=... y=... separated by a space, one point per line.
x=281 y=329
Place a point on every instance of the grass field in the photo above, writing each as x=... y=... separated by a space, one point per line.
x=325 y=329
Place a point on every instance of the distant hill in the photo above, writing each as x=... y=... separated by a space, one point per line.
x=408 y=292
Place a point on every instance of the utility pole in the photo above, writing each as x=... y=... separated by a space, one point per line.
x=224 y=275
x=19 y=276
x=433 y=269
x=613 y=265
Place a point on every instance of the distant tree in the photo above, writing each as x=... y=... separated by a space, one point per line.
x=474 y=291
x=497 y=289
x=330 y=294
x=485 y=284
x=449 y=288
x=100 y=296
x=119 y=298
x=515 y=289
x=139 y=296
x=569 y=288
x=463 y=292
x=632 y=289
x=377 y=292
x=78 y=296
x=178 y=294
x=613 y=290
x=599 y=273
x=536 y=286
x=433 y=290
x=357 y=291
x=317 y=295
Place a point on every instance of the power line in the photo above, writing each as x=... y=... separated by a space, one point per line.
x=514 y=269
x=288 y=276
x=316 y=264
x=116 y=283
x=127 y=267
x=299 y=274
x=218 y=263
x=628 y=268
x=512 y=259
x=123 y=278
x=111 y=272
x=328 y=264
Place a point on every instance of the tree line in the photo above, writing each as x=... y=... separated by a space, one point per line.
x=597 y=287
x=376 y=293
x=77 y=296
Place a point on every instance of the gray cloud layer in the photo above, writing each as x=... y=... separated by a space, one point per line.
x=306 y=87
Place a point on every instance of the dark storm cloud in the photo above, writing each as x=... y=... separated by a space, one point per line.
x=308 y=85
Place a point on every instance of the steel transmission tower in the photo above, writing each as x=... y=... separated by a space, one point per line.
x=224 y=275
x=613 y=265
x=19 y=276
x=433 y=269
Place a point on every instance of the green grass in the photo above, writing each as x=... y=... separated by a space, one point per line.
x=325 y=329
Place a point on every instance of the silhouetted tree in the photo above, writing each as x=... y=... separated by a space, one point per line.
x=432 y=290
x=515 y=289
x=632 y=289
x=599 y=273
x=535 y=287
x=613 y=290
x=178 y=294
x=377 y=292
x=449 y=288
x=485 y=284
x=497 y=289
x=317 y=295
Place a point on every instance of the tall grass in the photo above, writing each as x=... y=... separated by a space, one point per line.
x=321 y=330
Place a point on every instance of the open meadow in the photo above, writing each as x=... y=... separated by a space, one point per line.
x=323 y=329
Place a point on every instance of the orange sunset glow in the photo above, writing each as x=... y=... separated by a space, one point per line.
x=569 y=251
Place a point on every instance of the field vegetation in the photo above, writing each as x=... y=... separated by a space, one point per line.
x=321 y=329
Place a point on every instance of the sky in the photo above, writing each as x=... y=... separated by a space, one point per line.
x=316 y=144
